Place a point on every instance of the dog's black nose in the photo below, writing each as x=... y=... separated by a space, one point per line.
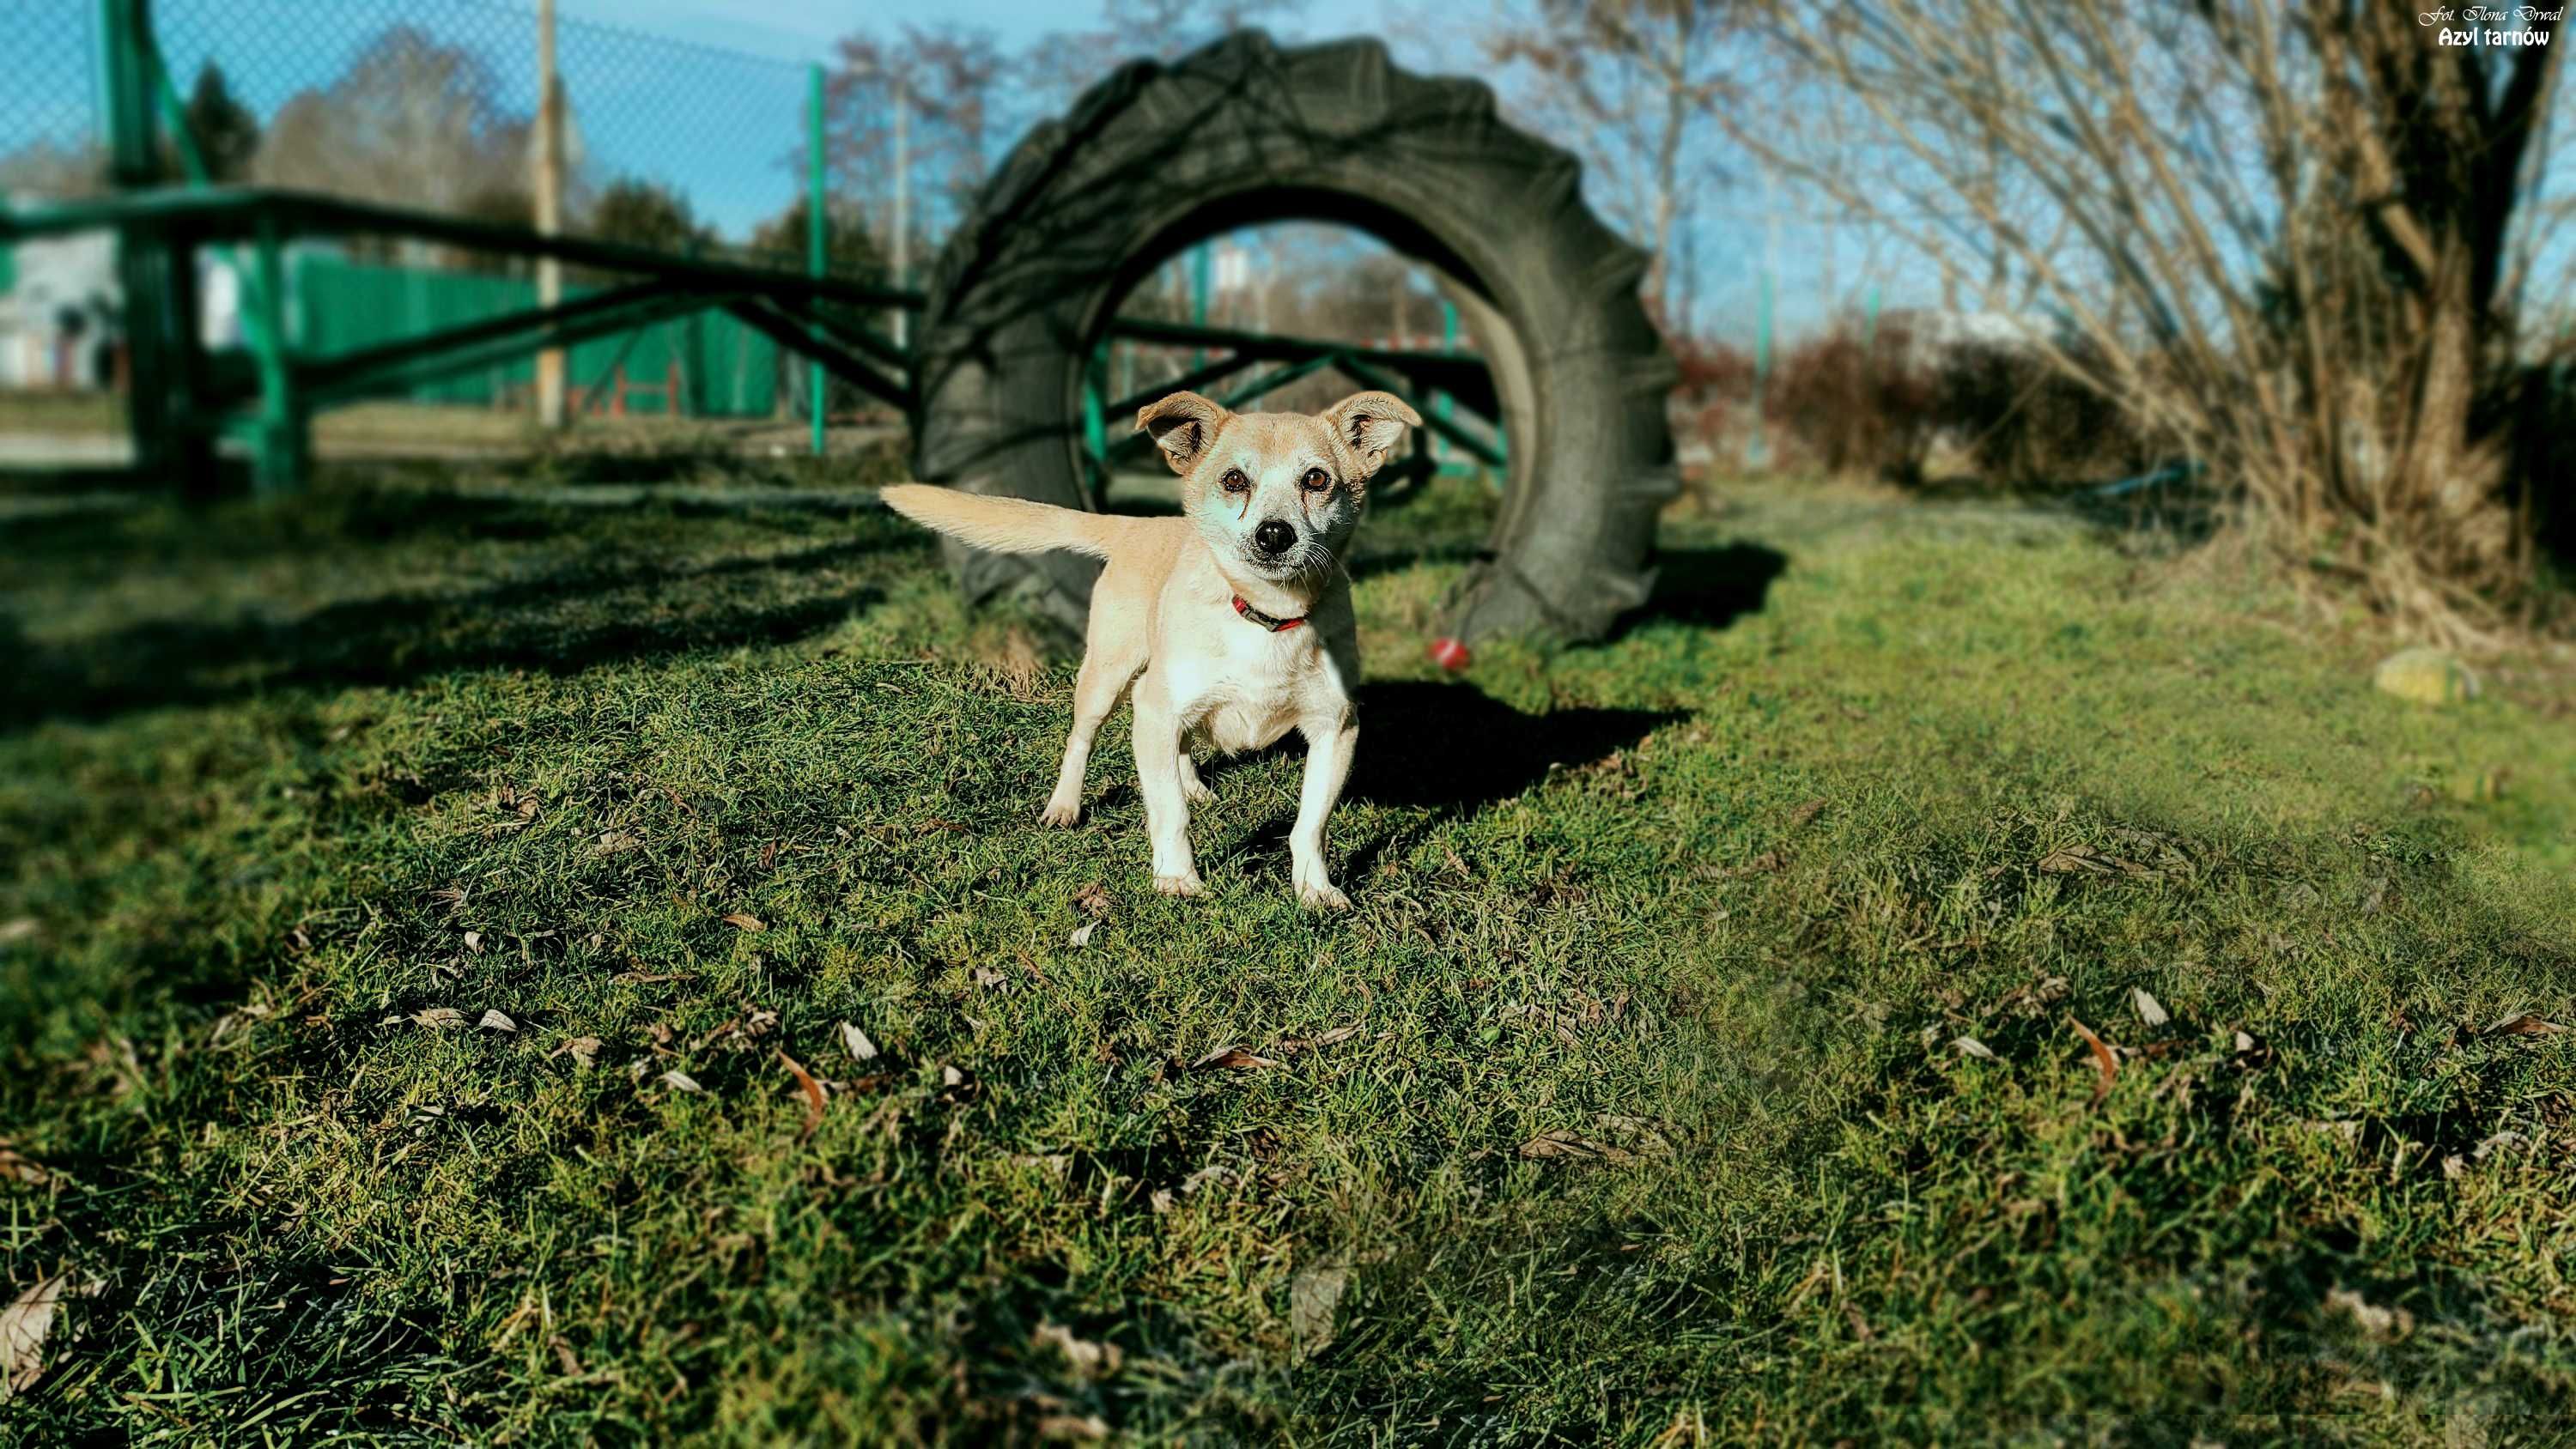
x=1274 y=537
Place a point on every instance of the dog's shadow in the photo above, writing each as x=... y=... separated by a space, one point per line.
x=1454 y=749
x=1450 y=750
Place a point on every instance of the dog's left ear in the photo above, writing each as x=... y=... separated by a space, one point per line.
x=1370 y=424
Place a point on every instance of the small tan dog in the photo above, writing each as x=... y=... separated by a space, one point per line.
x=1237 y=612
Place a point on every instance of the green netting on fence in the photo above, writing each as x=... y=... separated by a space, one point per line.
x=716 y=366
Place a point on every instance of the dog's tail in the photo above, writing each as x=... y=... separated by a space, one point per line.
x=1003 y=525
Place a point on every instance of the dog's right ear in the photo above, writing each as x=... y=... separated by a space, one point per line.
x=1184 y=424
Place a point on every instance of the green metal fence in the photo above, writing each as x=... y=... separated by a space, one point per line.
x=709 y=365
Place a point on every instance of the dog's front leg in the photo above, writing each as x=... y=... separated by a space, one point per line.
x=1331 y=740
x=1158 y=778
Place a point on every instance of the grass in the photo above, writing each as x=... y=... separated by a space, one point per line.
x=1633 y=1102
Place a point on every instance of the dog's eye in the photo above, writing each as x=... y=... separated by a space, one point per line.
x=1317 y=480
x=1234 y=481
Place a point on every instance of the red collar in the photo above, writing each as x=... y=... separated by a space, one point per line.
x=1262 y=619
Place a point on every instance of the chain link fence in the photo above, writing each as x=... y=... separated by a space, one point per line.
x=423 y=104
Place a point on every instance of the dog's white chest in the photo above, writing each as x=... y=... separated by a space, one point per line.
x=1243 y=687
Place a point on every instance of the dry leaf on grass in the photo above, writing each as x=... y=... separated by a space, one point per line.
x=2150 y=1010
x=583 y=1049
x=1089 y=1359
x=680 y=1081
x=1068 y=1426
x=25 y=1326
x=474 y=942
x=2381 y=1325
x=2103 y=1062
x=1971 y=1047
x=2523 y=1023
x=495 y=1020
x=1232 y=1059
x=19 y=929
x=1806 y=812
x=1312 y=1296
x=951 y=1077
x=17 y=1168
x=1320 y=1039
x=812 y=1089
x=745 y=921
x=439 y=1018
x=1562 y=1143
x=1082 y=934
x=613 y=841
x=861 y=1049
x=1092 y=900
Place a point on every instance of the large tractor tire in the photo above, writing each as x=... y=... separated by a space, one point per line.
x=1158 y=157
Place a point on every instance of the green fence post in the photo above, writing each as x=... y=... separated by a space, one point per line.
x=817 y=238
x=1095 y=427
x=282 y=448
x=143 y=256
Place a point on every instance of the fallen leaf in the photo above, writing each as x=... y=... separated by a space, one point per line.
x=680 y=1081
x=1089 y=1359
x=611 y=842
x=1970 y=1046
x=812 y=1089
x=1806 y=812
x=494 y=1020
x=1320 y=1039
x=2523 y=1023
x=2150 y=1010
x=583 y=1049
x=1562 y=1143
x=2244 y=1043
x=1231 y=1058
x=18 y=929
x=2382 y=1325
x=17 y=1168
x=951 y=1077
x=861 y=1049
x=1082 y=934
x=439 y=1018
x=474 y=942
x=2072 y=859
x=745 y=921
x=987 y=976
x=1312 y=1296
x=2103 y=1062
x=1162 y=1201
x=1093 y=900
x=24 y=1325
x=1067 y=1426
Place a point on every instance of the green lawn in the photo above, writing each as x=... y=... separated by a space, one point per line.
x=1706 y=1057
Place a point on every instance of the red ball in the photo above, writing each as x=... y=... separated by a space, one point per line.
x=1449 y=654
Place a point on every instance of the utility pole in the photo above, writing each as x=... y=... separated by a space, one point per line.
x=549 y=192
x=901 y=251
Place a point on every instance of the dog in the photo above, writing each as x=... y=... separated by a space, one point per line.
x=1233 y=621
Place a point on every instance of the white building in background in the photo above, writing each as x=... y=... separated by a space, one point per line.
x=58 y=313
x=61 y=310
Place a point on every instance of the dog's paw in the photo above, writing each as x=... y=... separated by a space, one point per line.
x=1061 y=813
x=1322 y=898
x=1197 y=793
x=1180 y=885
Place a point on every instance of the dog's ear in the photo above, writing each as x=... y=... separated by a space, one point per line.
x=1184 y=424
x=1370 y=424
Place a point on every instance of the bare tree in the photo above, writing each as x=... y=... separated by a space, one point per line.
x=2288 y=233
x=1635 y=80
x=412 y=122
x=913 y=125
